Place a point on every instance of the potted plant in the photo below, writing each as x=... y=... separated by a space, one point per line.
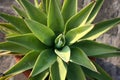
x=56 y=41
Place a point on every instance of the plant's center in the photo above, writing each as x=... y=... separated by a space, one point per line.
x=60 y=41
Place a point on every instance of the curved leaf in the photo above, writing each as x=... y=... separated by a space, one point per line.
x=33 y=12
x=55 y=19
x=101 y=28
x=27 y=40
x=17 y=22
x=64 y=53
x=69 y=9
x=9 y=46
x=80 y=58
x=95 y=11
x=26 y=63
x=92 y=48
x=40 y=76
x=58 y=70
x=76 y=33
x=44 y=61
x=80 y=18
x=43 y=33
x=75 y=72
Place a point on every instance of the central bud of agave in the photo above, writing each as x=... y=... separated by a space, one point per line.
x=60 y=41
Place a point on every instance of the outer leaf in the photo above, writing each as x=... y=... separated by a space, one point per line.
x=55 y=19
x=43 y=33
x=69 y=9
x=20 y=12
x=75 y=34
x=103 y=73
x=8 y=46
x=64 y=54
x=58 y=70
x=27 y=40
x=95 y=11
x=37 y=16
x=80 y=18
x=24 y=64
x=80 y=58
x=75 y=72
x=101 y=28
x=92 y=48
x=44 y=61
x=9 y=27
x=17 y=22
x=40 y=76
x=36 y=3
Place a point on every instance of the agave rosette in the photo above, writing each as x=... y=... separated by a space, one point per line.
x=56 y=40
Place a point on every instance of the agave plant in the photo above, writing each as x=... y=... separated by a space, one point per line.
x=56 y=40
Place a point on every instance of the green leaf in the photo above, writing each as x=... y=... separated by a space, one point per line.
x=17 y=22
x=33 y=12
x=36 y=3
x=5 y=77
x=55 y=19
x=95 y=11
x=41 y=76
x=9 y=27
x=75 y=72
x=44 y=61
x=58 y=70
x=103 y=73
x=69 y=9
x=64 y=53
x=76 y=33
x=20 y=12
x=92 y=48
x=80 y=18
x=27 y=40
x=80 y=58
x=9 y=46
x=43 y=33
x=26 y=63
x=101 y=28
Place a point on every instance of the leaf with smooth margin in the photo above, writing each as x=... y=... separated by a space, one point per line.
x=43 y=33
x=103 y=72
x=36 y=3
x=5 y=77
x=95 y=11
x=44 y=61
x=69 y=9
x=101 y=28
x=9 y=46
x=55 y=19
x=33 y=12
x=41 y=76
x=20 y=12
x=17 y=22
x=92 y=48
x=64 y=53
x=26 y=63
x=75 y=72
x=76 y=33
x=9 y=27
x=27 y=40
x=80 y=58
x=80 y=18
x=58 y=70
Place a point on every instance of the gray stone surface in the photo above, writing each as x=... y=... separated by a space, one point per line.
x=110 y=9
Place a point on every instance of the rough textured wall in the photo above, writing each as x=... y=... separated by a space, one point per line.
x=110 y=9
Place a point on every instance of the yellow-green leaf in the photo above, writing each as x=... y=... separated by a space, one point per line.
x=44 y=61
x=80 y=58
x=64 y=53
x=69 y=9
x=76 y=33
x=43 y=33
x=55 y=19
x=58 y=70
